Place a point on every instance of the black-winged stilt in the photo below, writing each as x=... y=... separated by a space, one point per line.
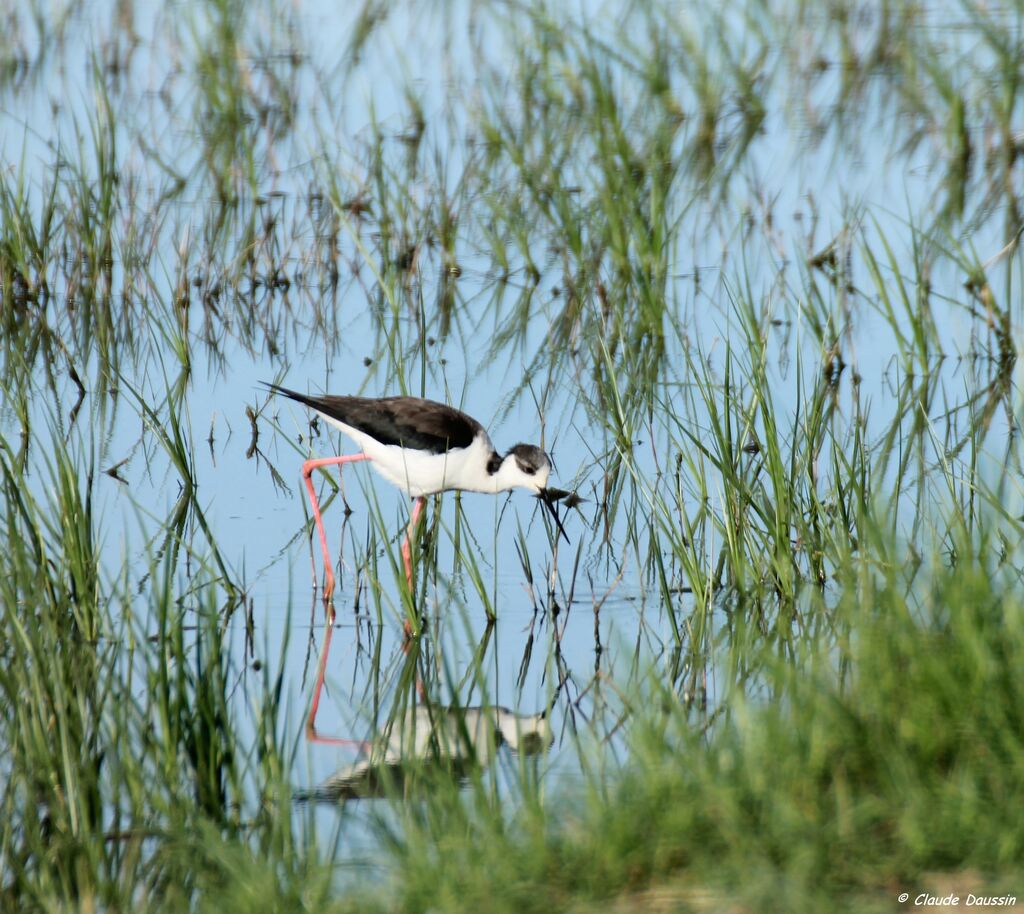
x=454 y=740
x=422 y=447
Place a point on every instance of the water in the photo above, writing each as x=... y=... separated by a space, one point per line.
x=259 y=103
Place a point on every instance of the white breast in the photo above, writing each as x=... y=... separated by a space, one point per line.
x=423 y=473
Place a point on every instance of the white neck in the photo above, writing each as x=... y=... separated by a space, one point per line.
x=475 y=477
x=508 y=476
x=529 y=731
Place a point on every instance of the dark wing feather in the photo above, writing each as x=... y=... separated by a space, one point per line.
x=406 y=421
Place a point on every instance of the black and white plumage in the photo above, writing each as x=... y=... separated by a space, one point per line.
x=425 y=447
x=422 y=447
x=456 y=741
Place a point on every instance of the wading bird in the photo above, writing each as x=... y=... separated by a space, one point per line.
x=430 y=738
x=422 y=447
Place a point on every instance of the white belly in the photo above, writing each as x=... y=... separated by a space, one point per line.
x=423 y=473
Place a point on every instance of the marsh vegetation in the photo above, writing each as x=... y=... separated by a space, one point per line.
x=752 y=275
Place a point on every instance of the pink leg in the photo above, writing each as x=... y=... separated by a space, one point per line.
x=307 y=471
x=406 y=543
x=321 y=668
x=410 y=531
x=311 y=734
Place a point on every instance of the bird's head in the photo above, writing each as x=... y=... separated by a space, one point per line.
x=526 y=466
x=530 y=734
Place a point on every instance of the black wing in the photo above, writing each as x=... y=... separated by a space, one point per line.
x=406 y=421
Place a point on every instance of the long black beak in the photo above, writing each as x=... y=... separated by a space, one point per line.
x=550 y=498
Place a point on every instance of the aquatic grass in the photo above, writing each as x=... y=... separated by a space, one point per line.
x=27 y=233
x=90 y=212
x=611 y=221
x=391 y=255
x=865 y=768
x=905 y=304
x=991 y=310
x=124 y=745
x=34 y=33
x=224 y=105
x=812 y=515
x=631 y=193
x=1003 y=46
x=172 y=431
x=25 y=262
x=465 y=561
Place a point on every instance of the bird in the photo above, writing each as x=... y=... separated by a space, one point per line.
x=423 y=447
x=453 y=740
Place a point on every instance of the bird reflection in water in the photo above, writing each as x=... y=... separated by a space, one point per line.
x=430 y=739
